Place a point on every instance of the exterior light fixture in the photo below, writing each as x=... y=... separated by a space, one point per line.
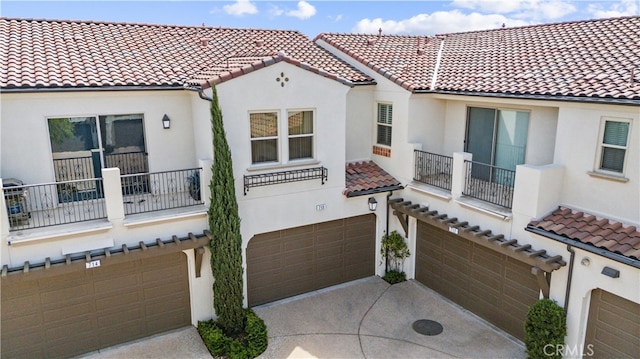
x=373 y=204
x=166 y=122
x=610 y=272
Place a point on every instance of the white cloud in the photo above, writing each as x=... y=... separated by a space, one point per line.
x=499 y=6
x=303 y=12
x=275 y=11
x=336 y=18
x=536 y=10
x=439 y=22
x=240 y=8
x=616 y=9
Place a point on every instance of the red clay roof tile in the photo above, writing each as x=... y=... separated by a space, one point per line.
x=588 y=59
x=601 y=232
x=53 y=53
x=367 y=177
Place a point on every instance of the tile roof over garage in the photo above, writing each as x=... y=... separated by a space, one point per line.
x=595 y=59
x=603 y=233
x=50 y=54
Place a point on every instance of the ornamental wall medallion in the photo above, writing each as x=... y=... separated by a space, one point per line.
x=282 y=79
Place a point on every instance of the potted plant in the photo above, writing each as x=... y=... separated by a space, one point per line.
x=394 y=250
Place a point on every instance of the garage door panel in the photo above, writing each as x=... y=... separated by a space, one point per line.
x=487 y=260
x=301 y=242
x=314 y=256
x=297 y=257
x=337 y=224
x=113 y=300
x=77 y=309
x=329 y=237
x=613 y=327
x=332 y=250
x=267 y=264
x=456 y=247
x=484 y=281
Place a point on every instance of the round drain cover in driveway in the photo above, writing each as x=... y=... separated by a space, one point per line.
x=427 y=327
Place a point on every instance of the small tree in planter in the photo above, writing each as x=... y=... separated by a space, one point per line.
x=394 y=251
x=238 y=332
x=545 y=329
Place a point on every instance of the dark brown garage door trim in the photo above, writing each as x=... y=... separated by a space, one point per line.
x=109 y=257
x=497 y=242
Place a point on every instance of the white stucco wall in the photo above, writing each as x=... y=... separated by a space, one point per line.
x=25 y=138
x=359 y=123
x=576 y=147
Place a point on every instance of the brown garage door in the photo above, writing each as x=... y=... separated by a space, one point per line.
x=613 y=329
x=491 y=285
x=83 y=311
x=298 y=260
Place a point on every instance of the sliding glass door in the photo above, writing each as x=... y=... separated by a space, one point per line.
x=496 y=137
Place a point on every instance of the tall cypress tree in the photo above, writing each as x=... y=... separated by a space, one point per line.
x=224 y=224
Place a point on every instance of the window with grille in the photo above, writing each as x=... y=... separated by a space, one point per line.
x=613 y=147
x=264 y=137
x=385 y=119
x=300 y=134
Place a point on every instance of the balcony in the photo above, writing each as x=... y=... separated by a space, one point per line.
x=433 y=169
x=52 y=204
x=487 y=183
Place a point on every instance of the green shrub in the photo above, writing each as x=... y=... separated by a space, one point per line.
x=249 y=344
x=393 y=277
x=545 y=327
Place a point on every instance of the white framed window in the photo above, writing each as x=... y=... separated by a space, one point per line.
x=384 y=123
x=612 y=150
x=264 y=137
x=300 y=124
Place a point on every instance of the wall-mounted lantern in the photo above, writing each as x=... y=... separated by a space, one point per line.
x=373 y=204
x=166 y=122
x=610 y=272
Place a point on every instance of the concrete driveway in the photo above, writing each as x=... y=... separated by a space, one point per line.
x=372 y=319
x=363 y=319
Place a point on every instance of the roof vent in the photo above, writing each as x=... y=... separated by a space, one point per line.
x=379 y=32
x=204 y=42
x=259 y=43
x=371 y=42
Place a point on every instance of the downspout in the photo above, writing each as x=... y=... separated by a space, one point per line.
x=386 y=260
x=200 y=91
x=568 y=289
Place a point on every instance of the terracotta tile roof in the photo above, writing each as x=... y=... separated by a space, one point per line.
x=367 y=177
x=223 y=72
x=55 y=54
x=597 y=231
x=592 y=59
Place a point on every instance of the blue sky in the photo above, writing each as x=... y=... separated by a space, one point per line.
x=426 y=17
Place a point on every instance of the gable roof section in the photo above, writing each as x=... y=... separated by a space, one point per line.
x=588 y=60
x=366 y=177
x=238 y=66
x=53 y=54
x=596 y=232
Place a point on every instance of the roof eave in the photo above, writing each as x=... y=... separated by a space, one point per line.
x=374 y=191
x=587 y=247
x=582 y=99
x=91 y=88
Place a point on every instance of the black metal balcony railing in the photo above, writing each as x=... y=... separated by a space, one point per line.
x=50 y=204
x=156 y=191
x=433 y=169
x=265 y=179
x=489 y=183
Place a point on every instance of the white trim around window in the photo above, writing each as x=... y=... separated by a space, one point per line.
x=281 y=138
x=384 y=123
x=613 y=146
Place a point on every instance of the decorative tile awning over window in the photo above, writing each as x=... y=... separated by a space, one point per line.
x=592 y=233
x=363 y=178
x=497 y=242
